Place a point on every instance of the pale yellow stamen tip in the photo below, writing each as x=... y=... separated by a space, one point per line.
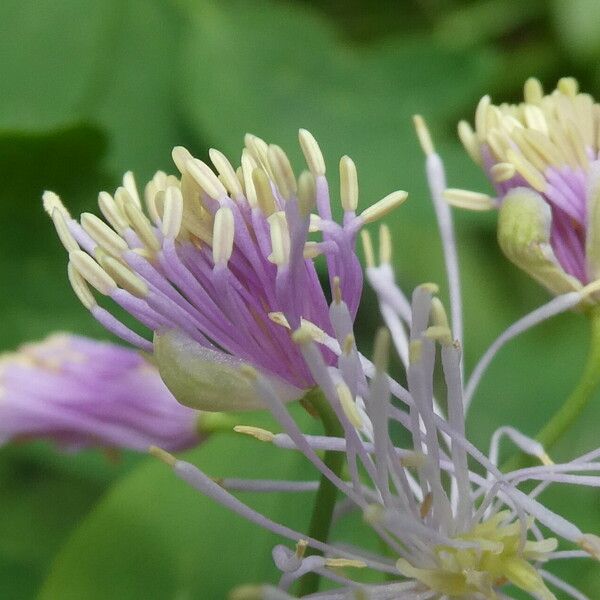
x=301 y=547
x=172 y=212
x=426 y=505
x=546 y=460
x=279 y=319
x=468 y=200
x=533 y=92
x=439 y=334
x=223 y=235
x=367 y=243
x=131 y=187
x=432 y=288
x=383 y=206
x=568 y=86
x=414 y=460
x=348 y=405
x=385 y=244
x=348 y=344
x=312 y=152
x=381 y=349
x=503 y=171
x=92 y=272
x=415 y=351
x=303 y=335
x=340 y=563
x=306 y=192
x=282 y=171
x=348 y=184
x=439 y=316
x=51 y=201
x=249 y=372
x=181 y=157
x=423 y=134
x=205 y=178
x=311 y=250
x=162 y=455
x=589 y=289
x=226 y=172
x=280 y=238
x=64 y=235
x=263 y=435
x=82 y=291
x=264 y=193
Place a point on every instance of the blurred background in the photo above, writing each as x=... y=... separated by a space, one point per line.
x=90 y=89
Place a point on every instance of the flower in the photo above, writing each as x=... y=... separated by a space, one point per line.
x=453 y=525
x=542 y=158
x=80 y=392
x=219 y=264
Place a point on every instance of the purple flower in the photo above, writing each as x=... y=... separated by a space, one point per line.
x=219 y=264
x=542 y=159
x=80 y=392
x=453 y=525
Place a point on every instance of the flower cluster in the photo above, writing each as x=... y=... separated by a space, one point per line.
x=79 y=393
x=452 y=524
x=542 y=156
x=218 y=264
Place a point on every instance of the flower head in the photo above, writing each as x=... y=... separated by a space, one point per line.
x=79 y=392
x=542 y=157
x=218 y=262
x=454 y=525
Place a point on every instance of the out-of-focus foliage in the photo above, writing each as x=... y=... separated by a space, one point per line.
x=91 y=89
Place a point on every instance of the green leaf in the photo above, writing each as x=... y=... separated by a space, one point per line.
x=154 y=537
x=273 y=70
x=110 y=62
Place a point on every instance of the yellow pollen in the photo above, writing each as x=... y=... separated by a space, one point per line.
x=260 y=434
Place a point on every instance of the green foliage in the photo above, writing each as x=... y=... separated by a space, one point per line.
x=91 y=89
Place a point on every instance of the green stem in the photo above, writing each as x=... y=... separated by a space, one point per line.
x=564 y=418
x=320 y=522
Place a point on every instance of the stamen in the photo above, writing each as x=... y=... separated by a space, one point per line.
x=591 y=544
x=348 y=184
x=301 y=547
x=263 y=435
x=126 y=279
x=181 y=157
x=282 y=171
x=312 y=152
x=102 y=234
x=480 y=118
x=280 y=239
x=226 y=172
x=140 y=223
x=348 y=344
x=469 y=141
x=383 y=206
x=92 y=272
x=527 y=170
x=348 y=405
x=385 y=244
x=82 y=291
x=131 y=187
x=439 y=334
x=415 y=351
x=381 y=350
x=568 y=86
x=223 y=235
x=423 y=135
x=368 y=248
x=51 y=201
x=502 y=171
x=172 y=212
x=426 y=505
x=533 y=92
x=206 y=179
x=248 y=166
x=264 y=193
x=111 y=212
x=337 y=290
x=64 y=235
x=162 y=455
x=338 y=563
x=306 y=192
x=438 y=313
x=312 y=250
x=469 y=200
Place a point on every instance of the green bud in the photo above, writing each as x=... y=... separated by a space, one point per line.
x=209 y=380
x=524 y=222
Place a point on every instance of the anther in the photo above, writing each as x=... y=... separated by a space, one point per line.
x=102 y=234
x=263 y=435
x=348 y=184
x=502 y=171
x=385 y=244
x=306 y=192
x=381 y=350
x=282 y=171
x=469 y=200
x=264 y=193
x=533 y=92
x=181 y=157
x=130 y=185
x=227 y=173
x=126 y=278
x=162 y=455
x=348 y=405
x=92 y=272
x=223 y=235
x=172 y=212
x=367 y=243
x=312 y=152
x=51 y=201
x=383 y=206
x=423 y=135
x=82 y=291
x=206 y=179
x=64 y=235
x=337 y=290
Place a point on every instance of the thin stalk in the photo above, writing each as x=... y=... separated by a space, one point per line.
x=570 y=411
x=320 y=522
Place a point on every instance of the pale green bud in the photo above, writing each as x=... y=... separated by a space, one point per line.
x=209 y=380
x=524 y=235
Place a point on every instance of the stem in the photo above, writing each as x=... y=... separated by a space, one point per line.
x=320 y=522
x=568 y=413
